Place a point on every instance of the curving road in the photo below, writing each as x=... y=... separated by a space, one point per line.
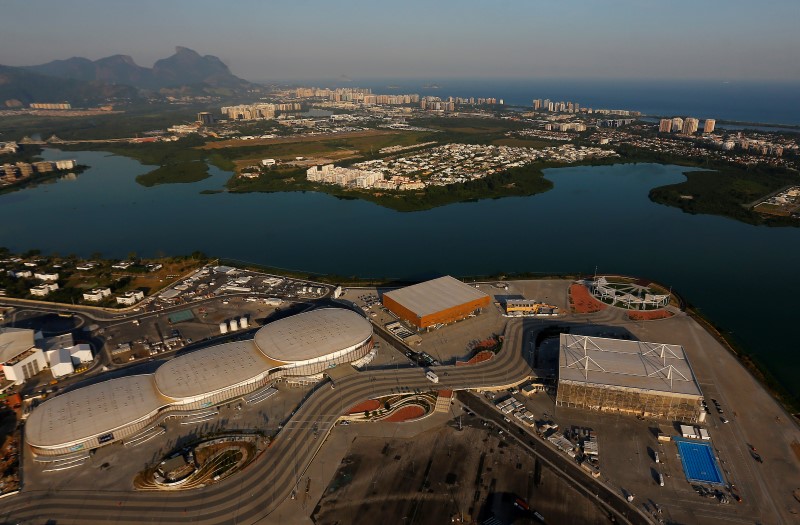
x=250 y=496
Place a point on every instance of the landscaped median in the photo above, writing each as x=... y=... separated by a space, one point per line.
x=395 y=408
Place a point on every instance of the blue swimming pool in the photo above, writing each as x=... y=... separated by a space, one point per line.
x=699 y=463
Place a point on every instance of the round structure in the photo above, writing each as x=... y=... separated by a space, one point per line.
x=91 y=416
x=315 y=338
x=118 y=409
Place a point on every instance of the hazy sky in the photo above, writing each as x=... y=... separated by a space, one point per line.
x=300 y=39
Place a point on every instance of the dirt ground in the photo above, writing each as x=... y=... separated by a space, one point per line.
x=444 y=475
x=582 y=301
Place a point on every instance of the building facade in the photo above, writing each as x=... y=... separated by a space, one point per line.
x=651 y=380
x=438 y=302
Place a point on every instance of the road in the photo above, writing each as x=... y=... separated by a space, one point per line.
x=250 y=496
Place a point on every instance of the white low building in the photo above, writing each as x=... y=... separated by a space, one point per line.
x=48 y=277
x=81 y=353
x=130 y=298
x=67 y=164
x=97 y=295
x=20 y=359
x=61 y=363
x=44 y=289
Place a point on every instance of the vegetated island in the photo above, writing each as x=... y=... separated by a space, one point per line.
x=712 y=187
x=719 y=188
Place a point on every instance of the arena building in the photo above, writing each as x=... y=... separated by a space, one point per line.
x=438 y=302
x=114 y=410
x=630 y=377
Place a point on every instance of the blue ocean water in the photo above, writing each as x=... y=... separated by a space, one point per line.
x=774 y=103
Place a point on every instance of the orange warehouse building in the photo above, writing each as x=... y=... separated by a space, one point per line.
x=441 y=301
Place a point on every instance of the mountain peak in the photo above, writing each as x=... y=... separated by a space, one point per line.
x=184 y=68
x=180 y=50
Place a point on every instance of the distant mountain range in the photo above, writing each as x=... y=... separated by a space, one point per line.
x=80 y=80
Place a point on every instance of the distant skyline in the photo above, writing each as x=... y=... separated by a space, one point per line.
x=732 y=40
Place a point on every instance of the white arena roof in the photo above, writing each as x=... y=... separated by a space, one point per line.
x=83 y=413
x=211 y=369
x=313 y=334
x=434 y=296
x=628 y=364
x=92 y=410
x=14 y=341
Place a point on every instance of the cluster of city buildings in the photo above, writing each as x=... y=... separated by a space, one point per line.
x=449 y=104
x=547 y=105
x=330 y=174
x=444 y=165
x=565 y=126
x=99 y=294
x=48 y=280
x=357 y=95
x=687 y=126
x=23 y=170
x=734 y=148
x=262 y=110
x=24 y=353
x=365 y=97
x=758 y=145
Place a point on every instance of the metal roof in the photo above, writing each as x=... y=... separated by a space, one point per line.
x=14 y=341
x=629 y=364
x=211 y=369
x=104 y=407
x=92 y=410
x=313 y=334
x=434 y=296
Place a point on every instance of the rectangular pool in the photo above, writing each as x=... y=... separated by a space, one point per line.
x=699 y=463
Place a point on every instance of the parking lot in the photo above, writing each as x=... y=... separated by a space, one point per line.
x=193 y=310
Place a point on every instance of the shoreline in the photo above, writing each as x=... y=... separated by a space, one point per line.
x=759 y=372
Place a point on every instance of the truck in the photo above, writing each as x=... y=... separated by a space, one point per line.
x=433 y=378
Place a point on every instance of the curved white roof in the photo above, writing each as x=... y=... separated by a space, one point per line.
x=14 y=341
x=312 y=334
x=211 y=369
x=98 y=409
x=92 y=411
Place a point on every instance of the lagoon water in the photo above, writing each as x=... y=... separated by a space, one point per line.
x=742 y=277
